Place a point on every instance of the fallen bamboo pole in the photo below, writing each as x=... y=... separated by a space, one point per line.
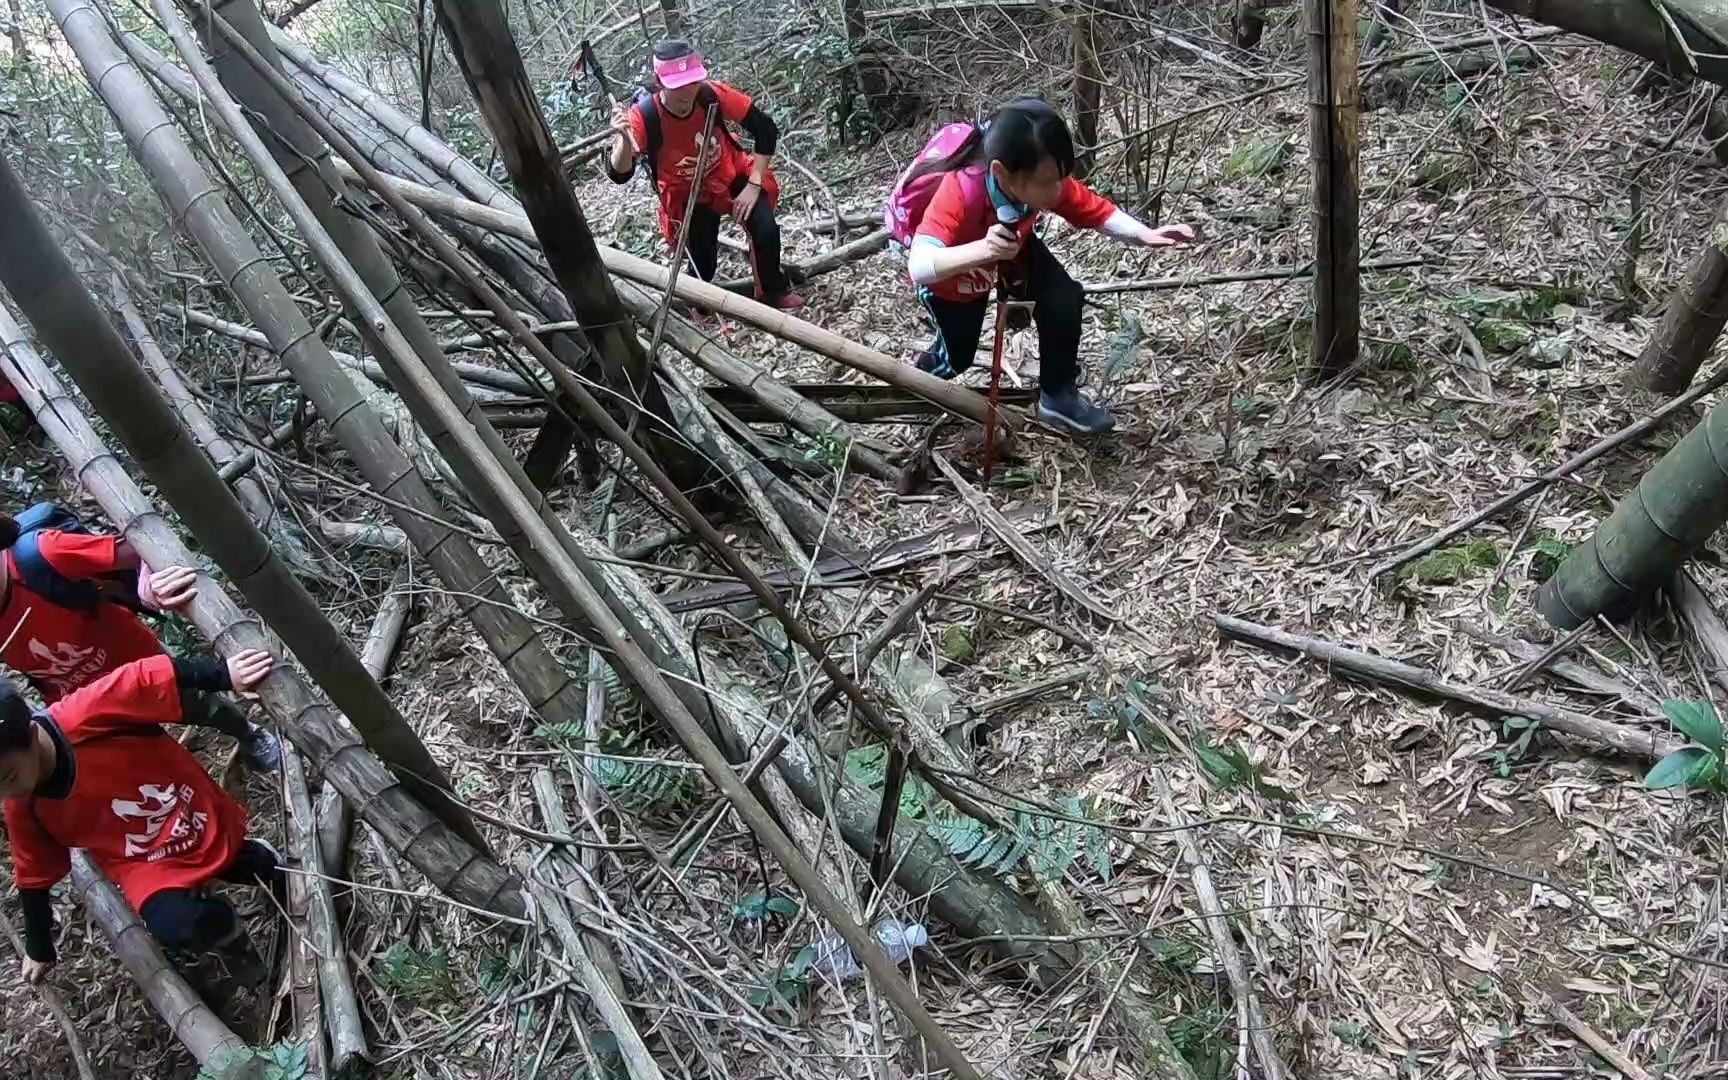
x=66 y=315
x=512 y=638
x=951 y=398
x=1271 y=273
x=630 y=651
x=207 y=1037
x=1399 y=675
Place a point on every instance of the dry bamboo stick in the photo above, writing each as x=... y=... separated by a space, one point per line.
x=1411 y=678
x=68 y=316
x=302 y=978
x=1583 y=677
x=208 y=1038
x=341 y=1008
x=1706 y=626
x=1589 y=1036
x=56 y=1007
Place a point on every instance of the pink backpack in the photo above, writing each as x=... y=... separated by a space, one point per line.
x=911 y=197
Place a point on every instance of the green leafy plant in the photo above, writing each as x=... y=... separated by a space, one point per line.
x=827 y=451
x=1702 y=766
x=1259 y=157
x=1130 y=713
x=280 y=1061
x=789 y=983
x=1450 y=565
x=760 y=904
x=1522 y=731
x=1124 y=348
x=1231 y=766
x=1353 y=1033
x=422 y=978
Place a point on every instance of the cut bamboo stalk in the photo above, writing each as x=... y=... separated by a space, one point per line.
x=385 y=633
x=1411 y=678
x=1706 y=626
x=207 y=1037
x=43 y=283
x=598 y=949
x=1696 y=312
x=348 y=1049
x=188 y=190
x=1333 y=139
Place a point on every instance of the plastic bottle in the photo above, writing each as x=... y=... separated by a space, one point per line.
x=834 y=959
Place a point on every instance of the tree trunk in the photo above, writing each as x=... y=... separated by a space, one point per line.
x=549 y=689
x=71 y=323
x=479 y=36
x=1641 y=28
x=674 y=16
x=1678 y=504
x=1088 y=87
x=1332 y=133
x=204 y=1034
x=188 y=190
x=20 y=48
x=1697 y=310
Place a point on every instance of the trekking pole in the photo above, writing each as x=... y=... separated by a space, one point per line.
x=1005 y=215
x=587 y=61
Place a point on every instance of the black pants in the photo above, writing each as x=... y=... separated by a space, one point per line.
x=204 y=709
x=764 y=233
x=190 y=921
x=1058 y=300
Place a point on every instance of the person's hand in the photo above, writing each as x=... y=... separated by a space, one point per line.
x=1001 y=243
x=170 y=589
x=36 y=970
x=248 y=668
x=1167 y=236
x=620 y=125
x=745 y=201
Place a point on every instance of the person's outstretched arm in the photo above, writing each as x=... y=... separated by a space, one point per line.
x=1082 y=206
x=629 y=131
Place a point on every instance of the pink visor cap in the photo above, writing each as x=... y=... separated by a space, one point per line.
x=680 y=71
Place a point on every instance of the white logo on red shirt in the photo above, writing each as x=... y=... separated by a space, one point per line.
x=67 y=665
x=155 y=805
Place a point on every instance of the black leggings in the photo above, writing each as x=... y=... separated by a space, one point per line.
x=764 y=232
x=1058 y=300
x=190 y=921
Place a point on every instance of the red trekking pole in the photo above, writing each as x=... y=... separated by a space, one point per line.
x=1005 y=215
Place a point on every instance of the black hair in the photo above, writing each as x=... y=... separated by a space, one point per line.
x=16 y=726
x=1021 y=134
x=8 y=531
x=672 y=49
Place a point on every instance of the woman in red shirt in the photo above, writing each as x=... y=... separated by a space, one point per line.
x=59 y=649
x=999 y=181
x=734 y=182
x=96 y=771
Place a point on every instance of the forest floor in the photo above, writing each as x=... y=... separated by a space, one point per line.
x=1232 y=487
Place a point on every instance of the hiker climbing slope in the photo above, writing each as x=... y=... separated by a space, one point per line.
x=69 y=614
x=96 y=771
x=965 y=211
x=664 y=128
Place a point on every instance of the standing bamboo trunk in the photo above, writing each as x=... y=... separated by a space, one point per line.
x=1088 y=86
x=305 y=159
x=479 y=36
x=185 y=1013
x=1697 y=310
x=248 y=488
x=68 y=318
x=188 y=192
x=1333 y=150
x=1678 y=504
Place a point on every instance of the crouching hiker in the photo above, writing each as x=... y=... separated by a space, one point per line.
x=965 y=211
x=96 y=771
x=664 y=128
x=70 y=602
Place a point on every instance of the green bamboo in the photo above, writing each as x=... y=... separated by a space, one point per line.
x=1678 y=504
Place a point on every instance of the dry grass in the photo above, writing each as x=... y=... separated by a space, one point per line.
x=1233 y=487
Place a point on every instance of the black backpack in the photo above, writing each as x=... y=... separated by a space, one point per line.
x=650 y=108
x=40 y=577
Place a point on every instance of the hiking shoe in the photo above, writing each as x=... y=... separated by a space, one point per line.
x=934 y=363
x=1069 y=410
x=261 y=750
x=786 y=301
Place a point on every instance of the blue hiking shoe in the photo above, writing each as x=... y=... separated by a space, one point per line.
x=261 y=750
x=1069 y=410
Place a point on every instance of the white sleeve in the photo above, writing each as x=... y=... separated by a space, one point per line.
x=921 y=260
x=1121 y=225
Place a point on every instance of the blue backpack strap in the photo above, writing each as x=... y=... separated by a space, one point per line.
x=40 y=577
